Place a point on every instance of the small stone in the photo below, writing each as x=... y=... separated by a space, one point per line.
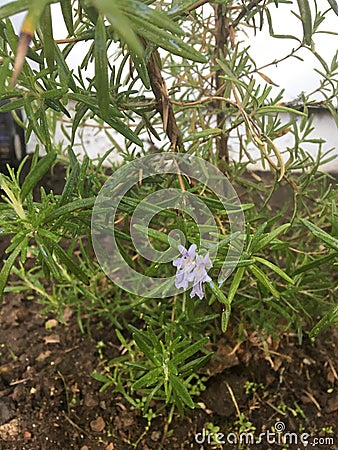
x=51 y=323
x=155 y=436
x=9 y=431
x=7 y=410
x=52 y=339
x=19 y=393
x=43 y=355
x=332 y=404
x=98 y=424
x=27 y=435
x=90 y=401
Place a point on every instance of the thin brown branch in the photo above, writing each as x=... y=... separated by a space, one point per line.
x=197 y=5
x=222 y=41
x=163 y=103
x=277 y=61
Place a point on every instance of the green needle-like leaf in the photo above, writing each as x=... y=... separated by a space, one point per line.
x=305 y=15
x=39 y=171
x=101 y=66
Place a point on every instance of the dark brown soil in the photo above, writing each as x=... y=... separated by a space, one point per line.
x=49 y=400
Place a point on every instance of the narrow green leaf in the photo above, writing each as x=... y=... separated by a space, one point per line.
x=4 y=72
x=321 y=234
x=325 y=322
x=119 y=21
x=333 y=111
x=57 y=106
x=35 y=11
x=122 y=128
x=141 y=68
x=15 y=7
x=144 y=344
x=101 y=65
x=181 y=390
x=46 y=27
x=99 y=377
x=149 y=15
x=315 y=263
x=235 y=283
x=181 y=8
x=225 y=317
x=67 y=12
x=14 y=104
x=53 y=93
x=39 y=171
x=275 y=268
x=33 y=125
x=44 y=127
x=10 y=36
x=71 y=265
x=150 y=378
x=167 y=41
x=49 y=235
x=263 y=279
x=158 y=235
x=114 y=122
x=47 y=257
x=219 y=294
x=70 y=185
x=63 y=69
x=334 y=5
x=16 y=240
x=81 y=110
x=6 y=268
x=92 y=103
x=155 y=341
x=18 y=6
x=305 y=15
x=69 y=208
x=92 y=12
x=195 y=365
x=278 y=109
x=72 y=157
x=203 y=134
x=189 y=351
x=267 y=238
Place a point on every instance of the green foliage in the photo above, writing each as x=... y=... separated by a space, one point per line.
x=44 y=224
x=172 y=73
x=160 y=365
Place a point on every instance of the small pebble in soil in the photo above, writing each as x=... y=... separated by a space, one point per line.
x=7 y=410
x=98 y=424
x=155 y=436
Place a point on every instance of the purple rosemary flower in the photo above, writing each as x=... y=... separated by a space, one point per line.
x=185 y=266
x=200 y=275
x=192 y=267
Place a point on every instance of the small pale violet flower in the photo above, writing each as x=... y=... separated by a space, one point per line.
x=192 y=267
x=188 y=256
x=200 y=275
x=185 y=266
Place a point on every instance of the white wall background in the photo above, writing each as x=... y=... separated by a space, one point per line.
x=292 y=75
